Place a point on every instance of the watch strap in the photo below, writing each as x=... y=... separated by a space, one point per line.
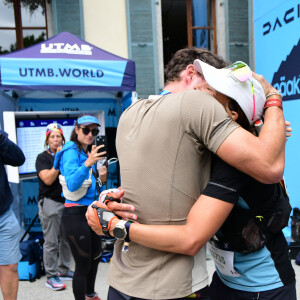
x=127 y=226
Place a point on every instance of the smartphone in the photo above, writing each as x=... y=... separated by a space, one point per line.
x=101 y=140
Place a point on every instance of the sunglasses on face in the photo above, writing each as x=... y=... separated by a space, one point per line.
x=241 y=72
x=86 y=131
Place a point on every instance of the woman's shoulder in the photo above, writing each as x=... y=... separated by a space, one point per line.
x=69 y=145
x=43 y=154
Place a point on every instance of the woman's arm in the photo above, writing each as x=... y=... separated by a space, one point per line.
x=48 y=176
x=205 y=218
x=74 y=172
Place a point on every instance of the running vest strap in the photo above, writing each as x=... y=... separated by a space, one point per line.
x=247 y=230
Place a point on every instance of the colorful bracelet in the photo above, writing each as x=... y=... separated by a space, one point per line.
x=273 y=102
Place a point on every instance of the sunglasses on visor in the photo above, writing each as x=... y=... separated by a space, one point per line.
x=241 y=72
x=86 y=131
x=54 y=126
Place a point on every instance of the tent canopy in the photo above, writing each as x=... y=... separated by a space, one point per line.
x=65 y=62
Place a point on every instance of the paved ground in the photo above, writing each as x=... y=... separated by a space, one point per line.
x=37 y=290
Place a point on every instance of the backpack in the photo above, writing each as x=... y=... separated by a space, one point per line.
x=31 y=265
x=247 y=230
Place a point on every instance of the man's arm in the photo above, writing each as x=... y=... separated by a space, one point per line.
x=10 y=153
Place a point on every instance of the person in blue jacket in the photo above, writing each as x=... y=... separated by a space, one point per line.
x=10 y=154
x=77 y=163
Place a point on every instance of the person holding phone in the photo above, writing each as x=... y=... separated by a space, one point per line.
x=56 y=250
x=77 y=163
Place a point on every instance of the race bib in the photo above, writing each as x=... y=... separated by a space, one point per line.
x=223 y=260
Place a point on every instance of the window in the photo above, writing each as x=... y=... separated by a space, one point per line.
x=22 y=23
x=188 y=22
x=201 y=24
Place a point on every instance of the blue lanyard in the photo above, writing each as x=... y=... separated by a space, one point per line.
x=53 y=154
x=164 y=92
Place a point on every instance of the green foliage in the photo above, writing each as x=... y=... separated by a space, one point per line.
x=32 y=5
x=28 y=41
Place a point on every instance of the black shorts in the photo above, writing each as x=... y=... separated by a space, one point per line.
x=218 y=290
x=114 y=294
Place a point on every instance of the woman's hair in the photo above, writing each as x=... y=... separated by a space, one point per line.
x=74 y=136
x=242 y=119
x=47 y=139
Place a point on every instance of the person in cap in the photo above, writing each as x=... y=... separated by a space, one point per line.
x=77 y=163
x=10 y=229
x=164 y=145
x=253 y=265
x=56 y=250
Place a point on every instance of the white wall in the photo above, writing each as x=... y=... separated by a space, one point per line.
x=105 y=25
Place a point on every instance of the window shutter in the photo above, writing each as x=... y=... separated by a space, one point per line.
x=238 y=35
x=142 y=45
x=68 y=16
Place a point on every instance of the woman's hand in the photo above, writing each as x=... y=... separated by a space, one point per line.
x=94 y=156
x=267 y=87
x=103 y=174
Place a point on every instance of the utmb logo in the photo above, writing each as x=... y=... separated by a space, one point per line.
x=32 y=201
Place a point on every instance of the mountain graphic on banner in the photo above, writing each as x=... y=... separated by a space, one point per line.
x=287 y=77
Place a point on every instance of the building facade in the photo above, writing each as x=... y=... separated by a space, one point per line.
x=147 y=31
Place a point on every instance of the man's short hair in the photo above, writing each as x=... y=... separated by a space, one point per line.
x=183 y=57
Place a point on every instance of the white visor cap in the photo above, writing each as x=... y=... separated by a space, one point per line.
x=222 y=81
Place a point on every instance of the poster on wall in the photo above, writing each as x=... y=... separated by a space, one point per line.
x=277 y=52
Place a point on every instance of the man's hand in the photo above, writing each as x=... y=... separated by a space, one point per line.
x=102 y=219
x=288 y=129
x=122 y=210
x=92 y=220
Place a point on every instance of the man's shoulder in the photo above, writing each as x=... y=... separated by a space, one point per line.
x=196 y=95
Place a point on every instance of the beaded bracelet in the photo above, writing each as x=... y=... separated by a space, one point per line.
x=274 y=93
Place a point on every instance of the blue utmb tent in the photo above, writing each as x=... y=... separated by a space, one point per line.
x=65 y=67
x=65 y=74
x=66 y=62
